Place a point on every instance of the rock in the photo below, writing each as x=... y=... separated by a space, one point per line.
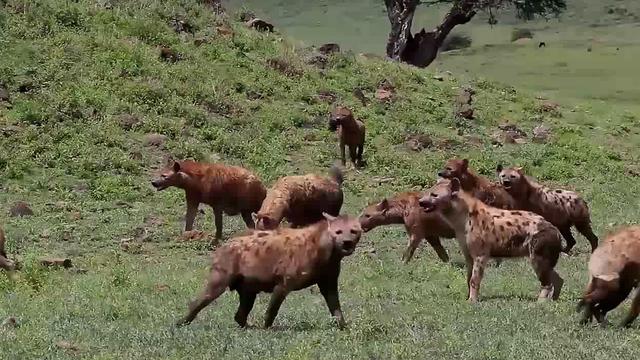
x=438 y=77
x=4 y=94
x=259 y=24
x=328 y=96
x=200 y=41
x=330 y=48
x=359 y=94
x=128 y=121
x=169 y=55
x=224 y=31
x=181 y=26
x=465 y=96
x=193 y=235
x=549 y=106
x=20 y=209
x=156 y=140
x=10 y=322
x=56 y=262
x=466 y=112
x=513 y=129
x=418 y=142
x=68 y=346
x=541 y=133
x=317 y=59
x=384 y=95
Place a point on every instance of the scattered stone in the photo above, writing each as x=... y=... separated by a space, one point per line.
x=330 y=48
x=224 y=31
x=284 y=66
x=170 y=55
x=513 y=129
x=157 y=140
x=418 y=142
x=10 y=322
x=246 y=15
x=181 y=26
x=56 y=262
x=193 y=235
x=438 y=77
x=259 y=25
x=317 y=59
x=128 y=121
x=161 y=287
x=359 y=94
x=20 y=209
x=328 y=96
x=384 y=95
x=200 y=41
x=4 y=94
x=541 y=134
x=466 y=112
x=68 y=346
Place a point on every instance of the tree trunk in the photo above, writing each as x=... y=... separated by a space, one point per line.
x=400 y=13
x=422 y=48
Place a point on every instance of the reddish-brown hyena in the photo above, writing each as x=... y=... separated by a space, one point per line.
x=351 y=134
x=562 y=208
x=278 y=262
x=404 y=209
x=301 y=199
x=485 y=232
x=231 y=190
x=614 y=271
x=479 y=186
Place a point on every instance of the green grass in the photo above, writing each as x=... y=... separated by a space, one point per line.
x=64 y=151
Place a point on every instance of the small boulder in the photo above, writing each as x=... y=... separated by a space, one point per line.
x=330 y=48
x=317 y=59
x=259 y=25
x=20 y=209
x=418 y=142
x=156 y=140
x=4 y=94
x=541 y=133
x=169 y=55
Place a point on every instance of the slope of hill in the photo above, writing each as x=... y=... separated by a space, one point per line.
x=93 y=109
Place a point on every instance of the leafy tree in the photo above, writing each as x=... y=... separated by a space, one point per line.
x=421 y=48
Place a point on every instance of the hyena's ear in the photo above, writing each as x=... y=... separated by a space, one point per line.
x=454 y=186
x=519 y=170
x=465 y=164
x=499 y=168
x=176 y=166
x=383 y=205
x=328 y=217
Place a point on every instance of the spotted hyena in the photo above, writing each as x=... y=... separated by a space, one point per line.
x=562 y=208
x=614 y=271
x=485 y=232
x=403 y=208
x=479 y=186
x=278 y=262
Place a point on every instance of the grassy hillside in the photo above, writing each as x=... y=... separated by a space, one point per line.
x=87 y=86
x=563 y=70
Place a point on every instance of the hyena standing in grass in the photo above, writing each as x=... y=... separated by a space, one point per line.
x=278 y=262
x=404 y=209
x=351 y=134
x=562 y=208
x=614 y=271
x=227 y=189
x=485 y=232
x=479 y=186
x=301 y=199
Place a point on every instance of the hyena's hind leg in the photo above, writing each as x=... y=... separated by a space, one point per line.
x=585 y=229
x=216 y=286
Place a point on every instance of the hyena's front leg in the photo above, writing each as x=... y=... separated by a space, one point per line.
x=479 y=263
